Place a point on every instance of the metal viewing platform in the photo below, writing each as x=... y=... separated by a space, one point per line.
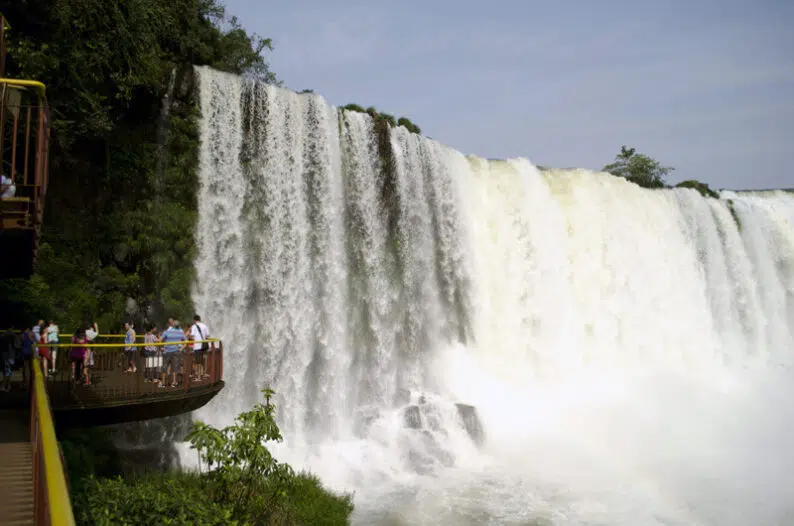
x=24 y=160
x=33 y=488
x=115 y=395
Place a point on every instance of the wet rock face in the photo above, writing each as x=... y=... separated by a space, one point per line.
x=426 y=456
x=412 y=417
x=426 y=427
x=471 y=422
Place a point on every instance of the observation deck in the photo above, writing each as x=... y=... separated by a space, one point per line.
x=33 y=488
x=115 y=395
x=24 y=161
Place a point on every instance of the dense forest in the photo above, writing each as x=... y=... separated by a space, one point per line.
x=117 y=242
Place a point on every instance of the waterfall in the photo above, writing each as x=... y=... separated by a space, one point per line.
x=627 y=353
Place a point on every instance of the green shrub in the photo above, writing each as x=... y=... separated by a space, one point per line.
x=407 y=124
x=260 y=490
x=386 y=117
x=244 y=484
x=703 y=188
x=354 y=107
x=638 y=168
x=154 y=498
x=307 y=502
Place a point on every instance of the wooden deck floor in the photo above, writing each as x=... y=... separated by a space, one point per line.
x=113 y=396
x=109 y=386
x=16 y=474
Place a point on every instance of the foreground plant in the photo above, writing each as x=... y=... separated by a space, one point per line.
x=244 y=474
x=240 y=466
x=242 y=484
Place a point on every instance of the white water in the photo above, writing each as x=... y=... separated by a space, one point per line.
x=629 y=351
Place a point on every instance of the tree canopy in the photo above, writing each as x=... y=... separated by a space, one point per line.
x=386 y=117
x=117 y=242
x=638 y=168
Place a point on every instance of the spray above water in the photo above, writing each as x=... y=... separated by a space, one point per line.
x=462 y=341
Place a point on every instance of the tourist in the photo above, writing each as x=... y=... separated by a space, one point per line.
x=43 y=349
x=79 y=357
x=152 y=355
x=51 y=334
x=7 y=187
x=172 y=357
x=28 y=343
x=91 y=334
x=129 y=348
x=199 y=331
x=37 y=336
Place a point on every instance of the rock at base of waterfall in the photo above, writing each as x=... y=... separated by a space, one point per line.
x=425 y=454
x=412 y=417
x=471 y=422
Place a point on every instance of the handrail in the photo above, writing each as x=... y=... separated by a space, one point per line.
x=120 y=371
x=137 y=336
x=39 y=87
x=70 y=332
x=51 y=494
x=122 y=344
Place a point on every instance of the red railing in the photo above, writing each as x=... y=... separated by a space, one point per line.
x=24 y=148
x=109 y=377
x=24 y=159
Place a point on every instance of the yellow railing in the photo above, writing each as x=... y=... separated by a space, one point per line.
x=131 y=345
x=37 y=86
x=51 y=494
x=116 y=372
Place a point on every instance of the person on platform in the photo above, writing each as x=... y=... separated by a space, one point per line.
x=130 y=349
x=172 y=356
x=28 y=346
x=152 y=355
x=79 y=358
x=53 y=338
x=7 y=187
x=198 y=332
x=37 y=336
x=91 y=334
x=43 y=350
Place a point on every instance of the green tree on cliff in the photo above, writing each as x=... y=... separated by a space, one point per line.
x=638 y=168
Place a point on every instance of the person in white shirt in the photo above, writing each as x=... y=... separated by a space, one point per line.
x=7 y=187
x=90 y=335
x=52 y=336
x=199 y=331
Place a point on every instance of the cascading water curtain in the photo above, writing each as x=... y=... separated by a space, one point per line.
x=626 y=353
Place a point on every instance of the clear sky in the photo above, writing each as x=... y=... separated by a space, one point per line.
x=706 y=86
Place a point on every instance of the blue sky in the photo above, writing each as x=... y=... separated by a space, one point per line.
x=703 y=85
